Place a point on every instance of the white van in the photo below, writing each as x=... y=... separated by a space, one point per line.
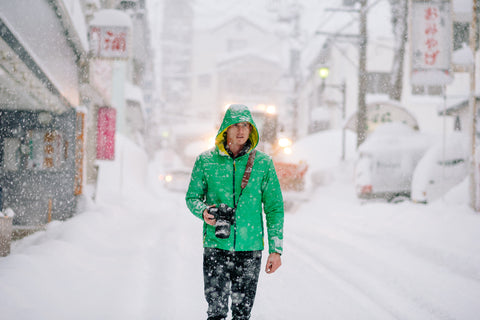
x=386 y=161
x=442 y=167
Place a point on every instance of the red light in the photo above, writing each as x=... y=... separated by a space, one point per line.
x=366 y=189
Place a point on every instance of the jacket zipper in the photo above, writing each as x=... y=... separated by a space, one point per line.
x=234 y=206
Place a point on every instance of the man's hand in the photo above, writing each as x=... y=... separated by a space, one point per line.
x=274 y=261
x=209 y=218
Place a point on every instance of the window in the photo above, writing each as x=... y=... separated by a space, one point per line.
x=11 y=154
x=45 y=150
x=378 y=82
x=236 y=44
x=427 y=90
x=460 y=34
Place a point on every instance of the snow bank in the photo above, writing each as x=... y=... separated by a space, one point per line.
x=139 y=256
x=463 y=56
x=9 y=213
x=126 y=174
x=322 y=152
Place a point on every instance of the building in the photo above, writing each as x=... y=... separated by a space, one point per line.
x=42 y=121
x=339 y=52
x=176 y=55
x=51 y=89
x=237 y=61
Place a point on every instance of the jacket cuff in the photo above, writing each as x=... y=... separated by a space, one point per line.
x=276 y=245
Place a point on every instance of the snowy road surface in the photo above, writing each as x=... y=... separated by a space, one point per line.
x=139 y=257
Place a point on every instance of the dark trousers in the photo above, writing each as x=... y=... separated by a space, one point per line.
x=231 y=274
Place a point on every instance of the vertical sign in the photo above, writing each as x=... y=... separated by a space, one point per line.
x=79 y=152
x=106 y=133
x=431 y=34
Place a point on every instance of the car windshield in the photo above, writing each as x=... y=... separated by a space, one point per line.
x=453 y=162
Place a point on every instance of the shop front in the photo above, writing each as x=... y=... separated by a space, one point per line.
x=41 y=125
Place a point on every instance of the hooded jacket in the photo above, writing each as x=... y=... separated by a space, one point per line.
x=216 y=178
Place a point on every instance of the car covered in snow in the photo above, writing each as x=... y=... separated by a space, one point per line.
x=386 y=161
x=169 y=171
x=442 y=167
x=176 y=179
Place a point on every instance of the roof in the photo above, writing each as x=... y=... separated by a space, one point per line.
x=220 y=23
x=111 y=17
x=458 y=105
x=243 y=55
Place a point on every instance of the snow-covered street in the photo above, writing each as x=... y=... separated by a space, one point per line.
x=139 y=256
x=106 y=106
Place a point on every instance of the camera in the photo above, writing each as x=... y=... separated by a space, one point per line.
x=225 y=217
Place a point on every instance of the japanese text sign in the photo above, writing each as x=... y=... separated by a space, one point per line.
x=109 y=42
x=106 y=133
x=431 y=34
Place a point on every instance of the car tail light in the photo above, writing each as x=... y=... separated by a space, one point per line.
x=366 y=189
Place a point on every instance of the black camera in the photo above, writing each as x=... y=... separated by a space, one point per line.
x=225 y=217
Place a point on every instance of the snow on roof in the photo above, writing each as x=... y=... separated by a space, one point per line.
x=74 y=9
x=431 y=77
x=462 y=6
x=81 y=108
x=463 y=56
x=393 y=110
x=259 y=22
x=238 y=18
x=394 y=136
x=111 y=17
x=462 y=10
x=454 y=105
x=247 y=54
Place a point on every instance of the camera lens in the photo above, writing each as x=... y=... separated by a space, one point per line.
x=222 y=229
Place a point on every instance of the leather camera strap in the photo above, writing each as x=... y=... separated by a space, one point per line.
x=248 y=168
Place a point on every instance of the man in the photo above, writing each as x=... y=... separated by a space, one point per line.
x=231 y=265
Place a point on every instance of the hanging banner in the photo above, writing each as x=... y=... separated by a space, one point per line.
x=106 y=133
x=431 y=35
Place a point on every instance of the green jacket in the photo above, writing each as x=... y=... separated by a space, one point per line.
x=216 y=178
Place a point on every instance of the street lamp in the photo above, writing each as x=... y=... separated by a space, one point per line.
x=323 y=72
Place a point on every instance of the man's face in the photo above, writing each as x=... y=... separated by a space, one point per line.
x=237 y=134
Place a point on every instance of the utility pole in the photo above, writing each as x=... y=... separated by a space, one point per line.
x=362 y=75
x=473 y=112
x=294 y=19
x=295 y=70
x=362 y=66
